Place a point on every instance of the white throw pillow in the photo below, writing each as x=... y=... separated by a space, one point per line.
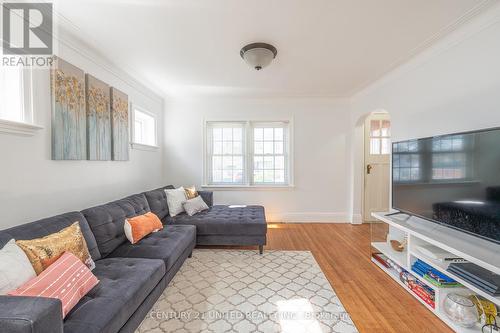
x=175 y=199
x=195 y=205
x=15 y=268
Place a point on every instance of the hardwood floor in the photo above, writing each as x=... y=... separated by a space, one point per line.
x=375 y=302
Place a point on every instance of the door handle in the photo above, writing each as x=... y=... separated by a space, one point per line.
x=369 y=169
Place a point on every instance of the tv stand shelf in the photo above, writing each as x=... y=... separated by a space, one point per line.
x=418 y=231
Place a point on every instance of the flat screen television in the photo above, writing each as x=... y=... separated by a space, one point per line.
x=452 y=179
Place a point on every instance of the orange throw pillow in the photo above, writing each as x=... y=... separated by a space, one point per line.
x=67 y=279
x=136 y=228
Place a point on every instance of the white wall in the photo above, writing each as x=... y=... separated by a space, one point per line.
x=453 y=86
x=321 y=129
x=32 y=186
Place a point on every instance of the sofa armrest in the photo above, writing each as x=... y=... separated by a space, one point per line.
x=208 y=197
x=20 y=314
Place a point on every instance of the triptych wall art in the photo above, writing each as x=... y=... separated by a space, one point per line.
x=89 y=118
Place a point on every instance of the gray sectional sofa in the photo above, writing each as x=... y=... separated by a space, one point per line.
x=132 y=277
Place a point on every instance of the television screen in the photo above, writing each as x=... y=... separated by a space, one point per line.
x=453 y=180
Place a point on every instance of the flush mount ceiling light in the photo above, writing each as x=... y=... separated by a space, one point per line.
x=258 y=55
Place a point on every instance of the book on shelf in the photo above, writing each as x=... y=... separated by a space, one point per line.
x=381 y=258
x=477 y=276
x=436 y=253
x=433 y=276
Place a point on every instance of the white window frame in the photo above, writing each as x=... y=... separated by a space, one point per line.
x=138 y=145
x=248 y=156
x=25 y=126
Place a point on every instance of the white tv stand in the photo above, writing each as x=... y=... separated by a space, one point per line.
x=419 y=232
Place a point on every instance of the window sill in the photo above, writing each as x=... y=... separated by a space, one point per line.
x=248 y=187
x=140 y=146
x=18 y=128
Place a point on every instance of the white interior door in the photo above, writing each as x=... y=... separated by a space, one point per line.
x=377 y=163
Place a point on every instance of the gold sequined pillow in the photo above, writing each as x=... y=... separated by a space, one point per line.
x=42 y=252
x=191 y=192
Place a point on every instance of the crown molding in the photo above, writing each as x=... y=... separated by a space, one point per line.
x=71 y=36
x=474 y=21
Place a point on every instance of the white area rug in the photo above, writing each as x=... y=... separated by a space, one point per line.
x=242 y=291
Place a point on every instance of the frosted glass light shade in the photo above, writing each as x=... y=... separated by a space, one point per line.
x=258 y=55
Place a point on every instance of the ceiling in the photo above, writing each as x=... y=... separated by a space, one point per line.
x=325 y=47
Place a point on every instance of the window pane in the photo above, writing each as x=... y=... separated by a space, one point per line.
x=258 y=162
x=375 y=146
x=144 y=128
x=238 y=176
x=386 y=146
x=278 y=134
x=227 y=148
x=268 y=134
x=375 y=128
x=268 y=176
x=279 y=176
x=227 y=134
x=268 y=162
x=386 y=128
x=237 y=147
x=258 y=176
x=217 y=134
x=217 y=163
x=279 y=162
x=227 y=176
x=237 y=134
x=11 y=93
x=268 y=147
x=227 y=162
x=217 y=148
x=217 y=176
x=278 y=147
x=258 y=134
x=270 y=142
x=238 y=162
x=259 y=148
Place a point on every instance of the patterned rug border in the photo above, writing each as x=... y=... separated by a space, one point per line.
x=218 y=286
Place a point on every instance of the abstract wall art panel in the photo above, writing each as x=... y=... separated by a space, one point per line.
x=68 y=111
x=98 y=120
x=119 y=121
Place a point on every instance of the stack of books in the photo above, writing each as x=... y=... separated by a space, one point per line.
x=432 y=275
x=418 y=288
x=382 y=259
x=479 y=277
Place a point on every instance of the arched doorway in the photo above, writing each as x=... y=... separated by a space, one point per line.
x=376 y=156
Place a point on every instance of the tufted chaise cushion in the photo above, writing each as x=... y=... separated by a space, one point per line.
x=124 y=283
x=49 y=226
x=157 y=200
x=222 y=220
x=106 y=221
x=167 y=244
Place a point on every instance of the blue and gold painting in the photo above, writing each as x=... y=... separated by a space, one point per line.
x=98 y=120
x=120 y=124
x=68 y=111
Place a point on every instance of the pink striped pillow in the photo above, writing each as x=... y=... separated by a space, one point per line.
x=67 y=279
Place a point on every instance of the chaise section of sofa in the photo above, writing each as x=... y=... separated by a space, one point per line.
x=219 y=225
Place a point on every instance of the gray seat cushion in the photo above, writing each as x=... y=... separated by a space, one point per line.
x=124 y=283
x=49 y=226
x=157 y=200
x=222 y=220
x=167 y=244
x=106 y=221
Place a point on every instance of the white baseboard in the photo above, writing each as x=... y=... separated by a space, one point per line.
x=309 y=217
x=357 y=219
